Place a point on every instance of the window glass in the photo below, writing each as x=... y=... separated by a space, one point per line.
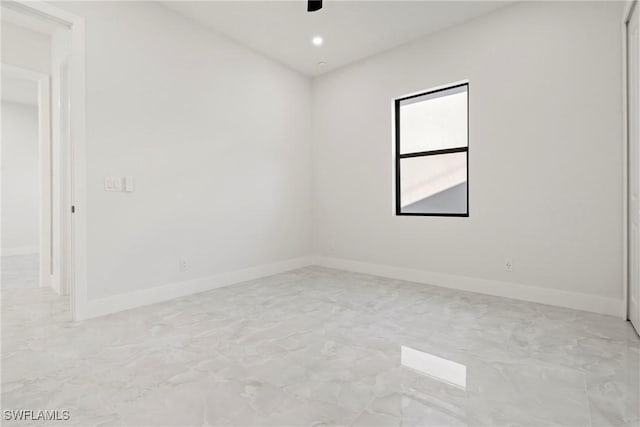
x=432 y=153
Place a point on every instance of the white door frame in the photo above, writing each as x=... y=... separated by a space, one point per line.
x=626 y=16
x=44 y=162
x=74 y=178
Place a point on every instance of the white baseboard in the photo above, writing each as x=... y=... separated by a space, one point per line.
x=21 y=250
x=116 y=303
x=574 y=300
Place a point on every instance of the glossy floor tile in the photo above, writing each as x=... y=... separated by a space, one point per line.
x=19 y=271
x=321 y=347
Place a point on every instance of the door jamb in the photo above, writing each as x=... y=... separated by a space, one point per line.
x=626 y=16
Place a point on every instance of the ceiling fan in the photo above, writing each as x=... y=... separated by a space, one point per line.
x=313 y=5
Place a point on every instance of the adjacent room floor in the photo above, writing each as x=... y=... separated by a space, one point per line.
x=322 y=347
x=19 y=271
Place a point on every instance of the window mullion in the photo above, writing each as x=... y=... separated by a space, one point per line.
x=434 y=152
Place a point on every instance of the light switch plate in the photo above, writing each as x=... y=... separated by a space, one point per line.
x=128 y=184
x=112 y=183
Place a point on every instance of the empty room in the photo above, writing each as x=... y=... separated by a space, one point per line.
x=320 y=212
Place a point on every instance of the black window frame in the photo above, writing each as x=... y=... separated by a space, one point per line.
x=399 y=156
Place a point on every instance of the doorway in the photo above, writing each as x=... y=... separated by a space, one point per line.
x=26 y=179
x=59 y=78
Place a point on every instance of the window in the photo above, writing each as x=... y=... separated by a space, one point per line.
x=432 y=158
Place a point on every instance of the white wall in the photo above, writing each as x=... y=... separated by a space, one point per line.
x=216 y=137
x=25 y=48
x=20 y=178
x=218 y=140
x=545 y=151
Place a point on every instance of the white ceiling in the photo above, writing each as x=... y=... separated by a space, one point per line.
x=352 y=30
x=20 y=91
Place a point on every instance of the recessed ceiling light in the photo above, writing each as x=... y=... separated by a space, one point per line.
x=322 y=64
x=317 y=40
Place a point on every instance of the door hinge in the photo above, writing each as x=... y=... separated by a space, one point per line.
x=73 y=209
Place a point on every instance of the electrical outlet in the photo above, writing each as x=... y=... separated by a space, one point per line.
x=508 y=264
x=183 y=265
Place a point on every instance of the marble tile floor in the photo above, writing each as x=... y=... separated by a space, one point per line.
x=321 y=347
x=19 y=271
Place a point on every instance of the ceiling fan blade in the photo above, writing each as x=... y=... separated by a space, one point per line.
x=313 y=5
